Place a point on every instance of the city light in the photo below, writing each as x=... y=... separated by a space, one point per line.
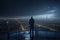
x=47 y=14
x=44 y=16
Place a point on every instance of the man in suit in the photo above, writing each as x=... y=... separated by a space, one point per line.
x=31 y=23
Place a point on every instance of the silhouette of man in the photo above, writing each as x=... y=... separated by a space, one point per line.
x=31 y=23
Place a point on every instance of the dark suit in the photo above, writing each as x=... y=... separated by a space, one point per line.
x=31 y=23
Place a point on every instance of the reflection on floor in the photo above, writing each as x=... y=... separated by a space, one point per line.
x=25 y=35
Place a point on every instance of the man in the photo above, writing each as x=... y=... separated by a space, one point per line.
x=31 y=23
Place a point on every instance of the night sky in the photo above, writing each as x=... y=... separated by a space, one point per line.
x=15 y=8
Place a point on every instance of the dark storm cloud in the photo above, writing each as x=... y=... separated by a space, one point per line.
x=12 y=8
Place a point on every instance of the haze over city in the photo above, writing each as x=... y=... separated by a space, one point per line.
x=30 y=20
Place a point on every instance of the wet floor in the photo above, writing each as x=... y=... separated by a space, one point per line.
x=25 y=35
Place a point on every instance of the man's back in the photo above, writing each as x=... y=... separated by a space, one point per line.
x=31 y=23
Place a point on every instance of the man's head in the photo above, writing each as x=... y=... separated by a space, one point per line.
x=31 y=17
